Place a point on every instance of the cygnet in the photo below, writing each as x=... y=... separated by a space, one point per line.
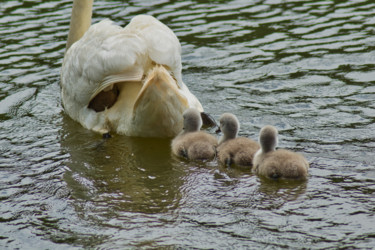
x=279 y=163
x=232 y=149
x=192 y=143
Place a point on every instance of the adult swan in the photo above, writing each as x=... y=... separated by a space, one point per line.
x=124 y=80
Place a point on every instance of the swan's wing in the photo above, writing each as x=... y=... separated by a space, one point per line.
x=134 y=74
x=104 y=55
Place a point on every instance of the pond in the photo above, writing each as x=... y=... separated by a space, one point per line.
x=306 y=67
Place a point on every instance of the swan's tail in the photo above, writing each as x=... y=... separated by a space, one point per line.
x=159 y=106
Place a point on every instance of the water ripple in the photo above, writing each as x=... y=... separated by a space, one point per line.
x=306 y=67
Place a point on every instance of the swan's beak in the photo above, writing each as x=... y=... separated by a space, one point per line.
x=160 y=104
x=208 y=120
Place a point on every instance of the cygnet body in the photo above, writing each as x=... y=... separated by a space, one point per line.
x=279 y=163
x=232 y=149
x=192 y=143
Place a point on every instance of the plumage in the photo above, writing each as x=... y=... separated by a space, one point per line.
x=192 y=143
x=232 y=149
x=126 y=80
x=279 y=163
x=238 y=151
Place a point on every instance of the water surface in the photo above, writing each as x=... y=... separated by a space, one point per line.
x=306 y=67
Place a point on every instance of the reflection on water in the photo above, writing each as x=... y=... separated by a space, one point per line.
x=287 y=190
x=131 y=174
x=306 y=67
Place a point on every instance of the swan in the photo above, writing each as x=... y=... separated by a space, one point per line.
x=124 y=80
x=192 y=143
x=232 y=149
x=279 y=163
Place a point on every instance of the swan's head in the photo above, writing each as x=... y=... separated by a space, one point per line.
x=192 y=120
x=229 y=125
x=268 y=138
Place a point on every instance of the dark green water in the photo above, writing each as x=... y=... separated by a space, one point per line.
x=306 y=67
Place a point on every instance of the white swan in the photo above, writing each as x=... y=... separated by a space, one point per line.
x=126 y=80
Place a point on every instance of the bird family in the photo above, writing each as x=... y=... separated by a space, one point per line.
x=128 y=80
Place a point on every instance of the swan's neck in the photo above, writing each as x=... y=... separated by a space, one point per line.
x=80 y=20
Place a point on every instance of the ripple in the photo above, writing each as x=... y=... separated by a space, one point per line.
x=303 y=66
x=10 y=102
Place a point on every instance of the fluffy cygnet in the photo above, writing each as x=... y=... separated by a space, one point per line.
x=192 y=143
x=232 y=149
x=278 y=163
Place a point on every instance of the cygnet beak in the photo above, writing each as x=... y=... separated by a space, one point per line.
x=218 y=130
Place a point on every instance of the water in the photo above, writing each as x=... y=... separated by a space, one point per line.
x=306 y=67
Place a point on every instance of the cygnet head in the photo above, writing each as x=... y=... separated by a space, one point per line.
x=268 y=138
x=192 y=120
x=229 y=125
